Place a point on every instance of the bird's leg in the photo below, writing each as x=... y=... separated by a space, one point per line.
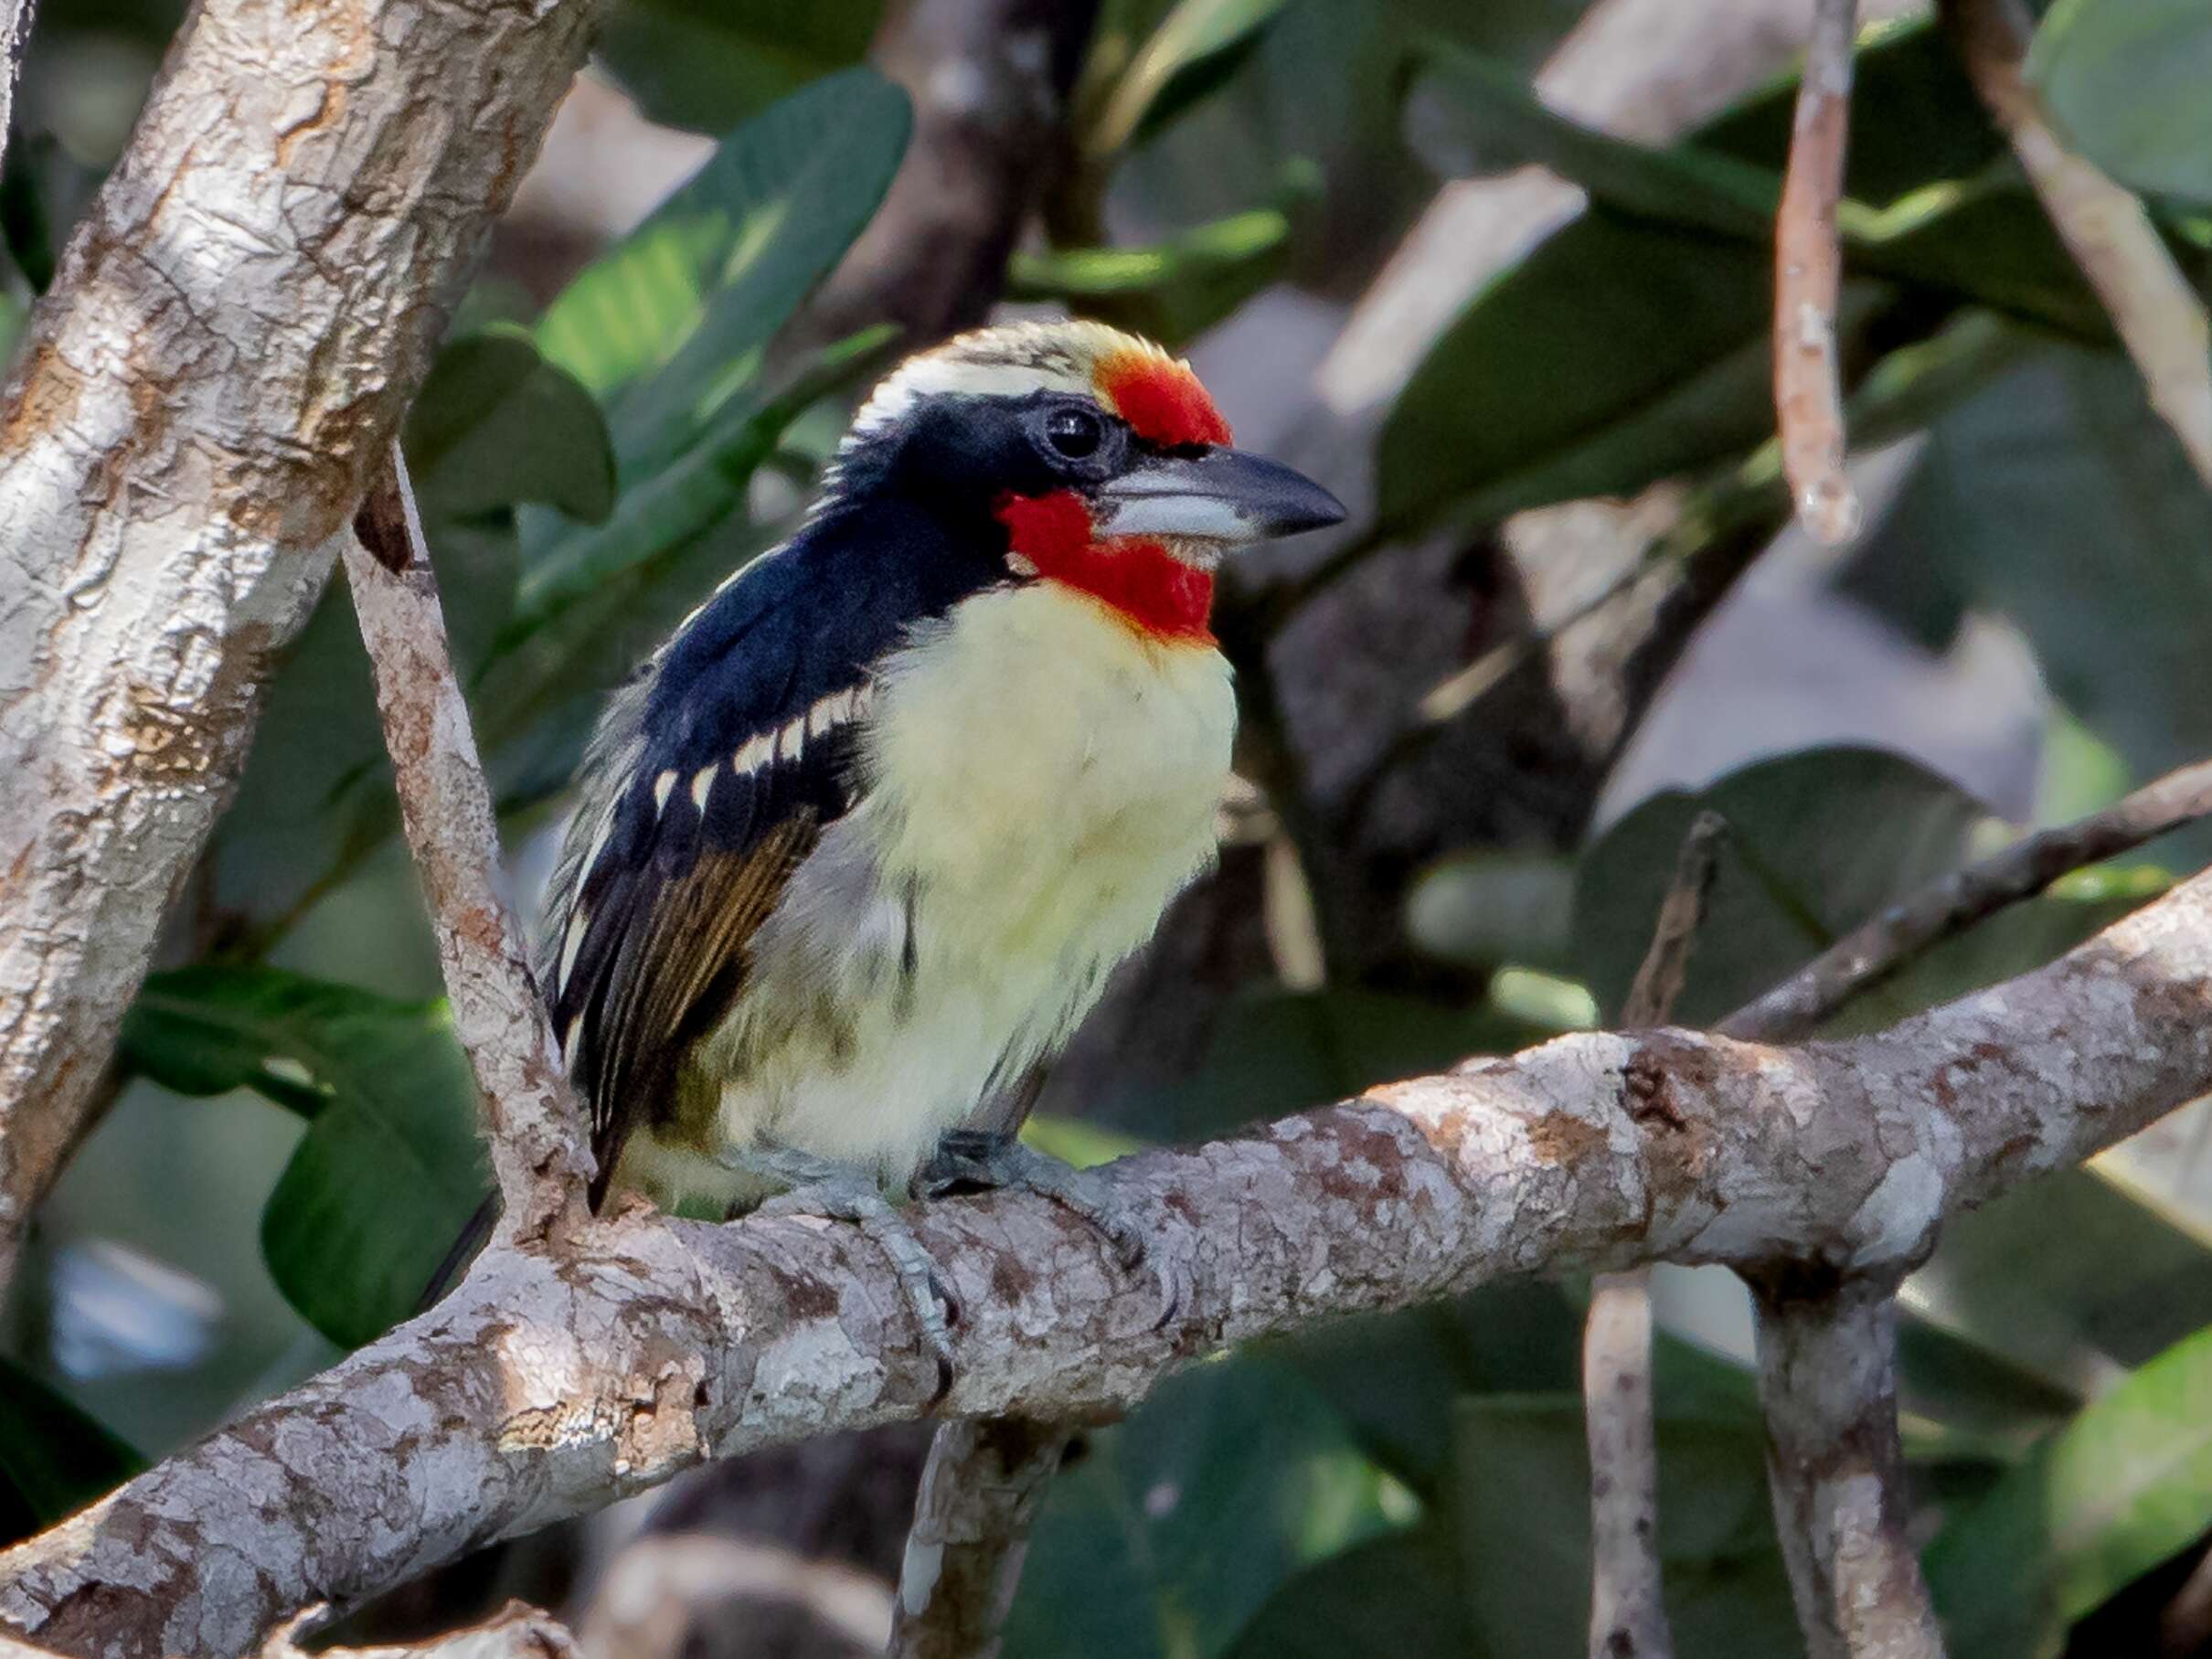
x=848 y=1192
x=973 y=1160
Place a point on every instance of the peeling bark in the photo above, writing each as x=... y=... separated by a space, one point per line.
x=551 y=1383
x=231 y=336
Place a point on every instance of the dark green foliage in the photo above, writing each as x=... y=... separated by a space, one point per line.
x=390 y=1170
x=54 y=1459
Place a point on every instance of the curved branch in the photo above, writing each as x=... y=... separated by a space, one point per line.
x=230 y=340
x=553 y=1381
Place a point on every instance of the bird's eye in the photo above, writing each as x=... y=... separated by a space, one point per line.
x=1074 y=433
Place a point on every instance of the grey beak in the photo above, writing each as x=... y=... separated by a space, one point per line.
x=1223 y=494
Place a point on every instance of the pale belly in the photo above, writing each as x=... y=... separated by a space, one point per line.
x=1040 y=786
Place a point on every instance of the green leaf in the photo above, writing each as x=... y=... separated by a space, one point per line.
x=1383 y=1598
x=669 y=326
x=2124 y=1486
x=2057 y=498
x=710 y=64
x=1493 y=109
x=2126 y=84
x=1197 y=48
x=1619 y=351
x=1927 y=123
x=55 y=1458
x=1278 y=1052
x=390 y=1170
x=1491 y=907
x=1171 y=291
x=1819 y=841
x=1180 y=1522
x=495 y=424
x=1523 y=1517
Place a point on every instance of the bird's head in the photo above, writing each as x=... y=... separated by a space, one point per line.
x=1098 y=459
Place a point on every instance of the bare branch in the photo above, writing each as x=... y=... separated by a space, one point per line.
x=231 y=335
x=532 y=1124
x=979 y=1495
x=1871 y=953
x=1627 y=1611
x=15 y=36
x=553 y=1381
x=516 y=1631
x=665 y=1589
x=1808 y=275
x=1827 y=1381
x=2158 y=315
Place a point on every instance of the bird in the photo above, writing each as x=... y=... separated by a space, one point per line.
x=856 y=849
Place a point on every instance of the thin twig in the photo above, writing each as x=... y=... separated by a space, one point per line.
x=14 y=36
x=1827 y=1384
x=1627 y=1613
x=1878 y=949
x=531 y=1121
x=2158 y=317
x=980 y=1494
x=1808 y=277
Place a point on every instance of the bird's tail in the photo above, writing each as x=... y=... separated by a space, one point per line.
x=472 y=1239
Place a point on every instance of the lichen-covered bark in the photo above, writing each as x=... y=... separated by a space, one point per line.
x=233 y=333
x=551 y=1383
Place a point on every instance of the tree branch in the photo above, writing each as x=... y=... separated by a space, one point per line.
x=532 y=1125
x=1808 y=275
x=552 y=1382
x=15 y=36
x=2158 y=315
x=1627 y=1609
x=1871 y=953
x=980 y=1494
x=1827 y=1381
x=232 y=333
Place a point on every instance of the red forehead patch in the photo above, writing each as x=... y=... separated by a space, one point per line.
x=1161 y=399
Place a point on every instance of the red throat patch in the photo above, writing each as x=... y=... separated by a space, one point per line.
x=1152 y=590
x=1161 y=399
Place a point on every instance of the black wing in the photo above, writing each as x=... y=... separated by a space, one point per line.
x=712 y=778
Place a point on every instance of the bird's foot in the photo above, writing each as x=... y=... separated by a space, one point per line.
x=980 y=1160
x=848 y=1192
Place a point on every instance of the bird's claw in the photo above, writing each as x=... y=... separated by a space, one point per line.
x=974 y=1160
x=841 y=1193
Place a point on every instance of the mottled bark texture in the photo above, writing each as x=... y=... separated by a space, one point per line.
x=980 y=1494
x=533 y=1125
x=231 y=336
x=1827 y=1383
x=548 y=1384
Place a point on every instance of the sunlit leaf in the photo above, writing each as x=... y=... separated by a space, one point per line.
x=1197 y=45
x=669 y=326
x=2123 y=1487
x=495 y=424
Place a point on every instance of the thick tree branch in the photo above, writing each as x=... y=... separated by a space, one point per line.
x=532 y=1127
x=1627 y=1611
x=552 y=1382
x=2159 y=317
x=516 y=1631
x=1808 y=275
x=230 y=340
x=980 y=1494
x=1827 y=1381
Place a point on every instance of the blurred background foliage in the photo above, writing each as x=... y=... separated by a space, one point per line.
x=622 y=413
